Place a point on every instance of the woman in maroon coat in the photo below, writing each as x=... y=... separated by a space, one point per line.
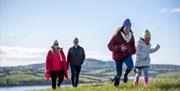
x=122 y=46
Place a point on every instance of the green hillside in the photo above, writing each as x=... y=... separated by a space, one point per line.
x=154 y=85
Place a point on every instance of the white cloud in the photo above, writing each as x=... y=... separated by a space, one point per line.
x=164 y=10
x=10 y=34
x=13 y=56
x=170 y=10
x=97 y=55
x=177 y=10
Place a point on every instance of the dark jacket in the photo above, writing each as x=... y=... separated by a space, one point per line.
x=115 y=46
x=76 y=56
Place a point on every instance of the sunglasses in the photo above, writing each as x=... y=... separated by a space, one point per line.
x=56 y=44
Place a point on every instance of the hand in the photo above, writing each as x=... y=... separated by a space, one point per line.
x=123 y=48
x=157 y=46
x=47 y=75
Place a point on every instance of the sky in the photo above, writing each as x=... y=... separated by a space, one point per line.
x=29 y=27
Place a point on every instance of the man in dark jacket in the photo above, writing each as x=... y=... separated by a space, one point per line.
x=75 y=58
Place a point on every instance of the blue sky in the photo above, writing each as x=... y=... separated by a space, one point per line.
x=28 y=27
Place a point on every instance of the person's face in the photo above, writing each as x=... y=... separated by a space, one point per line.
x=147 y=40
x=55 y=46
x=76 y=41
x=126 y=29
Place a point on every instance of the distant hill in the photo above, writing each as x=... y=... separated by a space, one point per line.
x=93 y=70
x=89 y=64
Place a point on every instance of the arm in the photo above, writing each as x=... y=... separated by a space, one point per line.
x=152 y=50
x=68 y=57
x=83 y=56
x=48 y=58
x=133 y=47
x=64 y=60
x=63 y=55
x=113 y=46
x=65 y=65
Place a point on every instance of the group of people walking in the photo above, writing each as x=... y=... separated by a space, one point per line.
x=57 y=66
x=122 y=46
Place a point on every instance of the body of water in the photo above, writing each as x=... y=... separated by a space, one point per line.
x=23 y=88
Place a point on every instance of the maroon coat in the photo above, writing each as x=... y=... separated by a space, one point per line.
x=115 y=46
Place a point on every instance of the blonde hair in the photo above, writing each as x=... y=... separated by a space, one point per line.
x=119 y=29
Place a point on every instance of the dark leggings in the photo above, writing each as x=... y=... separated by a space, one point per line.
x=54 y=75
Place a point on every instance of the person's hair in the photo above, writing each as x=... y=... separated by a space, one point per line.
x=53 y=49
x=120 y=29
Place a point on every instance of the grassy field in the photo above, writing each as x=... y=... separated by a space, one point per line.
x=172 y=75
x=154 y=85
x=29 y=78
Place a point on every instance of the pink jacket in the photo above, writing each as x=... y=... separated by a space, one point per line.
x=56 y=61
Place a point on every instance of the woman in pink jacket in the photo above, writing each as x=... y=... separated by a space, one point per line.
x=56 y=65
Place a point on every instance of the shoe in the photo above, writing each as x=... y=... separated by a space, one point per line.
x=145 y=81
x=116 y=82
x=125 y=78
x=136 y=80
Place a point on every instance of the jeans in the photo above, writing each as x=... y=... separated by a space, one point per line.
x=75 y=70
x=119 y=64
